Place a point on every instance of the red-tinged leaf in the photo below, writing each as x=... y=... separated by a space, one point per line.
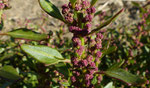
x=125 y=77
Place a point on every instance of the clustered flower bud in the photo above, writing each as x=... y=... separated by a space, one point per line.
x=85 y=4
x=87 y=57
x=144 y=22
x=80 y=50
x=77 y=41
x=74 y=29
x=82 y=7
x=2 y=5
x=67 y=13
x=78 y=7
x=102 y=15
x=90 y=10
x=141 y=30
x=65 y=9
x=88 y=18
x=86 y=64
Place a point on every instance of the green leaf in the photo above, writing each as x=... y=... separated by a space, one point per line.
x=125 y=76
x=147 y=49
x=97 y=13
x=108 y=51
x=106 y=23
x=93 y=2
x=23 y=33
x=109 y=85
x=65 y=83
x=51 y=9
x=43 y=54
x=9 y=73
x=116 y=65
x=94 y=80
x=1 y=49
x=73 y=3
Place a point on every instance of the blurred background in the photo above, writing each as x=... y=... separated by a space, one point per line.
x=28 y=13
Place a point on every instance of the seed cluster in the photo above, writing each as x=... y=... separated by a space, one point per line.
x=86 y=61
x=87 y=49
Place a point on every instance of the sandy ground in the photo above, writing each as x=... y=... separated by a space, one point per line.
x=29 y=10
x=23 y=10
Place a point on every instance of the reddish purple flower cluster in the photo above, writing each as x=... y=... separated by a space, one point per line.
x=145 y=16
x=67 y=13
x=141 y=30
x=86 y=64
x=102 y=15
x=2 y=5
x=87 y=49
x=79 y=25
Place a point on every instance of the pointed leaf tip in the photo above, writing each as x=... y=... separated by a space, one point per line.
x=51 y=9
x=125 y=77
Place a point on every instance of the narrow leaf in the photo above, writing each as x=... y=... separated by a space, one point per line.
x=1 y=49
x=43 y=54
x=9 y=73
x=97 y=13
x=51 y=9
x=125 y=76
x=106 y=23
x=93 y=2
x=23 y=33
x=109 y=85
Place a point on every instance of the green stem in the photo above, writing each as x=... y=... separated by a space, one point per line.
x=83 y=44
x=82 y=41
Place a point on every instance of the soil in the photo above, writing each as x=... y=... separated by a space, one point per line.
x=28 y=12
